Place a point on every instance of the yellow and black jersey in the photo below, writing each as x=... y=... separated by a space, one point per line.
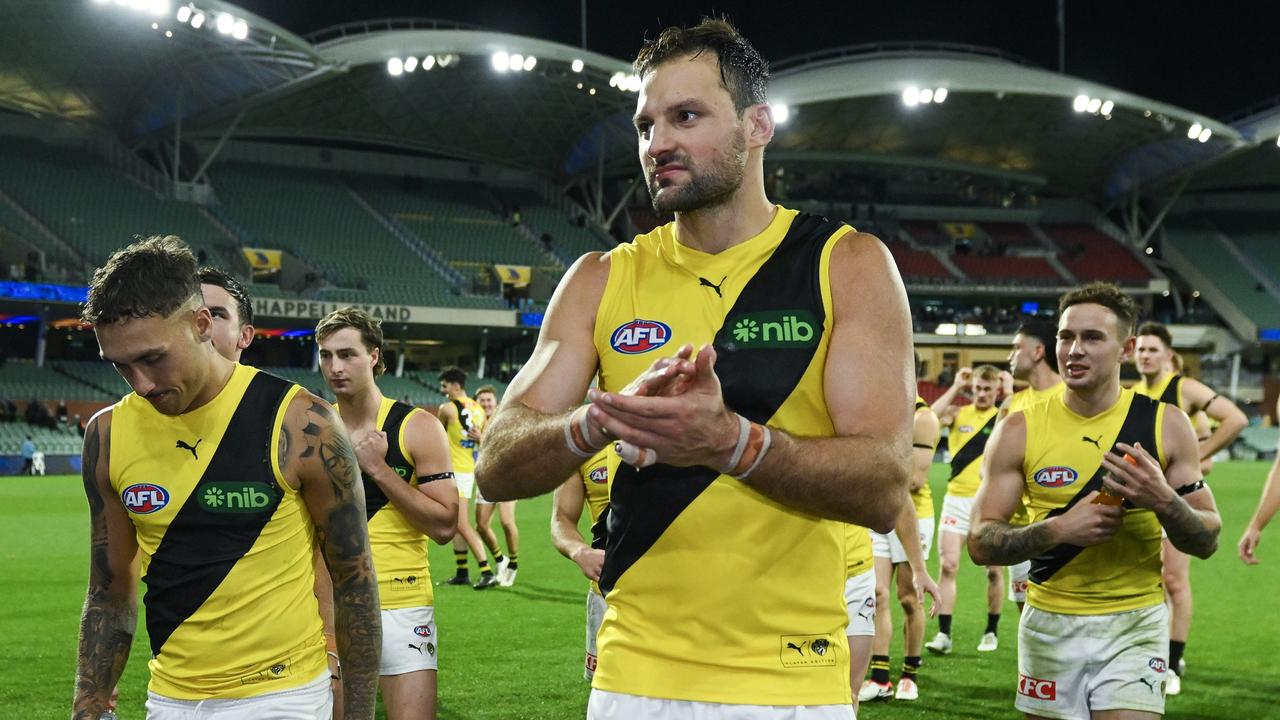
x=1020 y=401
x=1062 y=464
x=399 y=549
x=858 y=557
x=462 y=448
x=922 y=498
x=682 y=541
x=226 y=543
x=1167 y=389
x=595 y=474
x=966 y=442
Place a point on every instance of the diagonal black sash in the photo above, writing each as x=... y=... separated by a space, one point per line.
x=1170 y=394
x=973 y=449
x=200 y=547
x=374 y=498
x=755 y=382
x=1139 y=427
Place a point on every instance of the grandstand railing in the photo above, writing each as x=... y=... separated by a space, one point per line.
x=364 y=27
x=46 y=233
x=892 y=49
x=409 y=239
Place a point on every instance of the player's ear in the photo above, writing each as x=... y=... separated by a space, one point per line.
x=760 y=125
x=246 y=337
x=202 y=324
x=1127 y=351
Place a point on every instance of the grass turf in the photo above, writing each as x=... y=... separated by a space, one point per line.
x=516 y=654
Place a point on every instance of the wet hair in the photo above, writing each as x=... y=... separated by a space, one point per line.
x=744 y=74
x=370 y=329
x=154 y=276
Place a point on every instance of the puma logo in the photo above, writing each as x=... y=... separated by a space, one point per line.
x=417 y=647
x=183 y=446
x=1091 y=440
x=1151 y=685
x=703 y=282
x=792 y=646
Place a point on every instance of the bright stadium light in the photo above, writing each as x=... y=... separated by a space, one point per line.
x=1194 y=131
x=184 y=13
x=616 y=80
x=155 y=26
x=395 y=67
x=225 y=24
x=1081 y=103
x=911 y=96
x=410 y=64
x=781 y=113
x=1107 y=107
x=516 y=62
x=240 y=30
x=1204 y=135
x=1150 y=250
x=592 y=91
x=500 y=60
x=1094 y=105
x=577 y=65
x=197 y=20
x=428 y=62
x=158 y=7
x=926 y=96
x=446 y=60
x=940 y=95
x=975 y=329
x=945 y=329
x=1195 y=293
x=530 y=63
x=632 y=83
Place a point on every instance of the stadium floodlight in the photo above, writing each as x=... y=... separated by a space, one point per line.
x=1204 y=135
x=781 y=113
x=240 y=30
x=1278 y=141
x=428 y=62
x=592 y=91
x=225 y=23
x=1150 y=250
x=580 y=87
x=410 y=64
x=395 y=67
x=446 y=60
x=184 y=13
x=577 y=65
x=530 y=63
x=945 y=329
x=158 y=7
x=500 y=60
x=1107 y=107
x=911 y=96
x=974 y=329
x=1094 y=105
x=516 y=62
x=1194 y=131
x=155 y=26
x=633 y=83
x=617 y=79
x=1081 y=103
x=1195 y=293
x=168 y=33
x=197 y=20
x=940 y=95
x=1165 y=293
x=926 y=96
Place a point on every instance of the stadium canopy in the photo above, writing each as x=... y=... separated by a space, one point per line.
x=148 y=73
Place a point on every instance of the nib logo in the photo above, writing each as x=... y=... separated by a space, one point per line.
x=233 y=497
x=774 y=329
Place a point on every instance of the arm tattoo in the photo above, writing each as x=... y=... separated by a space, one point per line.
x=1186 y=529
x=336 y=454
x=282 y=451
x=108 y=621
x=1005 y=544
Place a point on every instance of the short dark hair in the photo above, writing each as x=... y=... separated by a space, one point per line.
x=1108 y=296
x=1157 y=329
x=152 y=276
x=744 y=73
x=1045 y=333
x=217 y=276
x=454 y=374
x=370 y=331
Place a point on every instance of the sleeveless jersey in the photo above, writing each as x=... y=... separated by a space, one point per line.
x=922 y=498
x=1020 y=401
x=1062 y=464
x=595 y=474
x=399 y=549
x=717 y=593
x=462 y=449
x=1167 y=390
x=966 y=443
x=226 y=543
x=857 y=549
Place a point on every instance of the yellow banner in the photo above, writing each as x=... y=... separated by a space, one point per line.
x=514 y=275
x=960 y=231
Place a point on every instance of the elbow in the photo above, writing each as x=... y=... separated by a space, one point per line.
x=489 y=482
x=977 y=549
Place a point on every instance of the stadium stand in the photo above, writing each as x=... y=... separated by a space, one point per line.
x=21 y=380
x=918 y=265
x=1200 y=244
x=63 y=441
x=1008 y=270
x=1012 y=235
x=100 y=376
x=569 y=239
x=1255 y=234
x=1090 y=254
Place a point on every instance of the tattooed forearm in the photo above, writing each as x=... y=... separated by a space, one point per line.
x=357 y=623
x=999 y=543
x=1188 y=530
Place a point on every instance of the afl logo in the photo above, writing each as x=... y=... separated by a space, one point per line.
x=600 y=475
x=144 y=498
x=422 y=631
x=640 y=336
x=1055 y=477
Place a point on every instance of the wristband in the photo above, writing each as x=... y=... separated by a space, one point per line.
x=577 y=435
x=744 y=433
x=765 y=443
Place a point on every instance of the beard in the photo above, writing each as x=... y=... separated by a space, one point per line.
x=707 y=187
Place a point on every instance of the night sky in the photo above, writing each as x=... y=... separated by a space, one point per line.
x=1217 y=58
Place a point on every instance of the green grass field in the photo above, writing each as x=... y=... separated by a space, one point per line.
x=516 y=653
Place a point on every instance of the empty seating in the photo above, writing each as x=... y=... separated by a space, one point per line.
x=1093 y=255
x=1008 y=269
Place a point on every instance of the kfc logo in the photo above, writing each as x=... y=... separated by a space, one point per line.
x=1037 y=689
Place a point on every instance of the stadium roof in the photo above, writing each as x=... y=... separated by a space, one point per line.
x=141 y=70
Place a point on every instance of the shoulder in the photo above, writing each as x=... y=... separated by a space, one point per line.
x=306 y=409
x=420 y=423
x=100 y=421
x=856 y=249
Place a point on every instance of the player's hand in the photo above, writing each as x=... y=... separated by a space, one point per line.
x=1137 y=479
x=964 y=377
x=1249 y=545
x=665 y=377
x=1088 y=523
x=591 y=560
x=371 y=450
x=115 y=698
x=925 y=585
x=691 y=428
x=1006 y=383
x=475 y=433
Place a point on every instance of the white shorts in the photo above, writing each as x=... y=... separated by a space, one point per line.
x=595 y=615
x=889 y=546
x=1072 y=665
x=409 y=640
x=605 y=705
x=1018 y=575
x=956 y=512
x=860 y=601
x=311 y=701
x=466 y=484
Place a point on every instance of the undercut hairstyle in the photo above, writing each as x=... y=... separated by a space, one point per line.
x=1158 y=330
x=154 y=276
x=1108 y=296
x=743 y=71
x=487 y=389
x=1045 y=333
x=369 y=327
x=223 y=279
x=987 y=373
x=454 y=374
